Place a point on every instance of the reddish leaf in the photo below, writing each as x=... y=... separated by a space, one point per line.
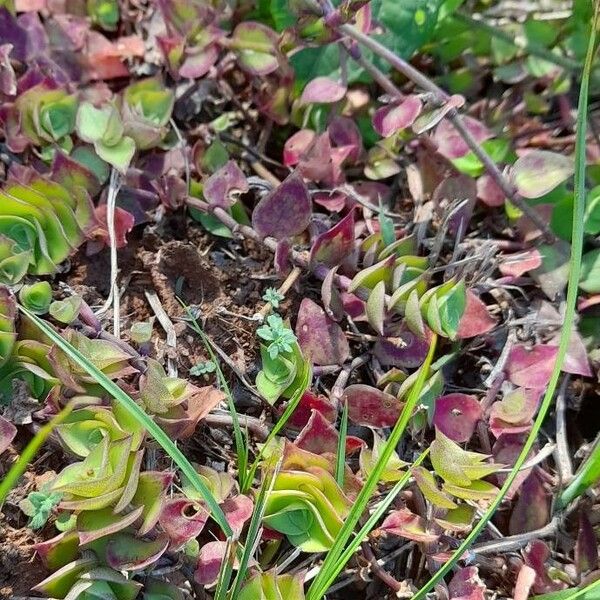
x=124 y=222
x=586 y=548
x=467 y=585
x=505 y=451
x=285 y=212
x=334 y=201
x=536 y=555
x=223 y=186
x=451 y=143
x=371 y=407
x=406 y=524
x=515 y=412
x=331 y=297
x=281 y=259
x=321 y=339
x=518 y=264
x=237 y=511
x=343 y=132
x=333 y=246
x=209 y=562
x=320 y=436
x=7 y=434
x=531 y=368
x=353 y=306
x=322 y=90
x=489 y=192
x=532 y=509
x=525 y=580
x=576 y=359
x=297 y=145
x=124 y=552
x=456 y=416
x=476 y=319
x=308 y=402
x=390 y=119
x=182 y=520
x=317 y=162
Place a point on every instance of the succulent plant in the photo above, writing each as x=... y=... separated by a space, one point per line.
x=47 y=115
x=306 y=503
x=146 y=110
x=45 y=223
x=271 y=586
x=36 y=297
x=103 y=127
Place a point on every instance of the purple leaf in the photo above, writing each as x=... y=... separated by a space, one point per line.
x=539 y=172
x=321 y=339
x=531 y=368
x=237 y=511
x=11 y=33
x=406 y=524
x=390 y=119
x=343 y=132
x=576 y=360
x=124 y=552
x=451 y=143
x=296 y=146
x=476 y=319
x=466 y=585
x=371 y=407
x=456 y=416
x=333 y=246
x=197 y=61
x=334 y=201
x=505 y=451
x=209 y=562
x=532 y=509
x=404 y=349
x=7 y=434
x=586 y=547
x=317 y=161
x=281 y=259
x=322 y=90
x=285 y=212
x=320 y=436
x=182 y=520
x=489 y=192
x=223 y=186
x=310 y=402
x=536 y=555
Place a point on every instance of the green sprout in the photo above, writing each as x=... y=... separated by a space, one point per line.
x=203 y=368
x=38 y=507
x=273 y=297
x=281 y=338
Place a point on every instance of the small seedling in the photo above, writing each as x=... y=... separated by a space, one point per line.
x=203 y=368
x=281 y=338
x=38 y=507
x=273 y=297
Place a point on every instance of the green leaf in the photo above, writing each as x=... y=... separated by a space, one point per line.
x=66 y=310
x=590 y=272
x=409 y=24
x=36 y=297
x=592 y=211
x=469 y=163
x=118 y=155
x=92 y=122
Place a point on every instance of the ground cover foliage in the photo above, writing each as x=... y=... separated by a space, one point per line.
x=299 y=299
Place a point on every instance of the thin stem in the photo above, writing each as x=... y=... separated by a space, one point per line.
x=441 y=97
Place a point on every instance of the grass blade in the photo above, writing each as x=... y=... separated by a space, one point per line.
x=370 y=524
x=226 y=570
x=254 y=529
x=568 y=319
x=139 y=414
x=318 y=587
x=20 y=466
x=241 y=440
x=340 y=465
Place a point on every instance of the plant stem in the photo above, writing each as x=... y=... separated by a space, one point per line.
x=529 y=47
x=441 y=97
x=568 y=319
